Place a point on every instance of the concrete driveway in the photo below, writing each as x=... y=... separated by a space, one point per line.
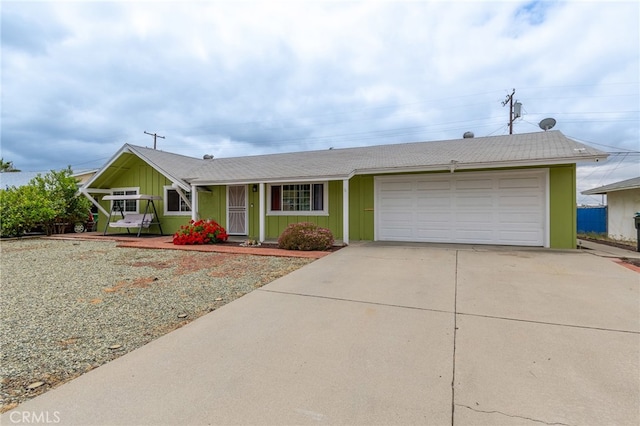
x=389 y=334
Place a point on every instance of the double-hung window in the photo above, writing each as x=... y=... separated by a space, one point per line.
x=298 y=198
x=127 y=206
x=174 y=204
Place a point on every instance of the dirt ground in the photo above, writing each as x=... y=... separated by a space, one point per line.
x=156 y=281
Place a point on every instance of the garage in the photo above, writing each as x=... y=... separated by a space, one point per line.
x=502 y=208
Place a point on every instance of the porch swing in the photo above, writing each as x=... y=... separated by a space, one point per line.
x=133 y=220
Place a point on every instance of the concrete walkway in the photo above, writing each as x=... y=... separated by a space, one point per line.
x=389 y=334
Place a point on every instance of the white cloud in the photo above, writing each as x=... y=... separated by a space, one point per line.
x=231 y=78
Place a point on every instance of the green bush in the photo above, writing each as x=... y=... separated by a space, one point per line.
x=305 y=236
x=45 y=201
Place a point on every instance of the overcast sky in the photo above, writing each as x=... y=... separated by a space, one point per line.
x=228 y=78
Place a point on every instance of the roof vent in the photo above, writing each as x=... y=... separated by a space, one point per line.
x=468 y=135
x=207 y=157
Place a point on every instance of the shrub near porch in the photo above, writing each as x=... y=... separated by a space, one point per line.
x=305 y=236
x=200 y=232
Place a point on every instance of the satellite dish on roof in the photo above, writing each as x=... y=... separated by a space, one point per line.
x=547 y=124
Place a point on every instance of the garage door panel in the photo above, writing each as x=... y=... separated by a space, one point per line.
x=433 y=185
x=429 y=202
x=476 y=218
x=474 y=201
x=434 y=217
x=477 y=184
x=396 y=185
x=516 y=218
x=396 y=203
x=520 y=183
x=518 y=237
x=520 y=201
x=483 y=208
x=402 y=217
x=474 y=235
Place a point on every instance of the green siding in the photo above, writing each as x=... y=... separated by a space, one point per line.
x=215 y=207
x=254 y=213
x=212 y=204
x=276 y=224
x=138 y=174
x=361 y=204
x=562 y=206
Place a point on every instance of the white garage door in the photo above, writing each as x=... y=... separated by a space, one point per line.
x=506 y=208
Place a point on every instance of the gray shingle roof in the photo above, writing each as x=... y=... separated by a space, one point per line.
x=633 y=183
x=550 y=147
x=174 y=165
x=527 y=149
x=17 y=179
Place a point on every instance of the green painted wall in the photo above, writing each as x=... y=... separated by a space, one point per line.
x=139 y=174
x=254 y=213
x=562 y=206
x=213 y=204
x=361 y=204
x=276 y=224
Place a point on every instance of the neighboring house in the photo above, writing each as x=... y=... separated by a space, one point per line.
x=17 y=179
x=83 y=176
x=508 y=190
x=623 y=201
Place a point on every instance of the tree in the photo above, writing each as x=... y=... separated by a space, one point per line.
x=7 y=166
x=24 y=208
x=61 y=188
x=46 y=201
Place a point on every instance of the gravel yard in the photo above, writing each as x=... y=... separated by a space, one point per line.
x=67 y=307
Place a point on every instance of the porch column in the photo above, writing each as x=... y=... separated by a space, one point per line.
x=345 y=211
x=194 y=202
x=262 y=212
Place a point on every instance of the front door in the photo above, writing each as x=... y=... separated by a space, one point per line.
x=237 y=210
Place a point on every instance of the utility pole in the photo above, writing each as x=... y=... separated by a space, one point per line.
x=155 y=136
x=513 y=114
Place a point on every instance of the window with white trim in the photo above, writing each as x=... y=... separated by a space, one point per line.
x=298 y=198
x=128 y=206
x=174 y=204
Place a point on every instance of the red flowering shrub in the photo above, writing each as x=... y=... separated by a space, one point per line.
x=200 y=232
x=305 y=236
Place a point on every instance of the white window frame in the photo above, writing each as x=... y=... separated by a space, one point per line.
x=125 y=190
x=325 y=201
x=168 y=212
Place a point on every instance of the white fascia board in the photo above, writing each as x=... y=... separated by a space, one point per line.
x=124 y=149
x=472 y=166
x=270 y=180
x=180 y=184
x=128 y=149
x=599 y=191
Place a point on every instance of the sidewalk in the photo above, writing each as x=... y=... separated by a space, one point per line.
x=604 y=250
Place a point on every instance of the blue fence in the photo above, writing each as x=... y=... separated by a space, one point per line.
x=592 y=219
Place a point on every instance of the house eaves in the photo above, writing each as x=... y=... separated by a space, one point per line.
x=624 y=185
x=522 y=150
x=170 y=165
